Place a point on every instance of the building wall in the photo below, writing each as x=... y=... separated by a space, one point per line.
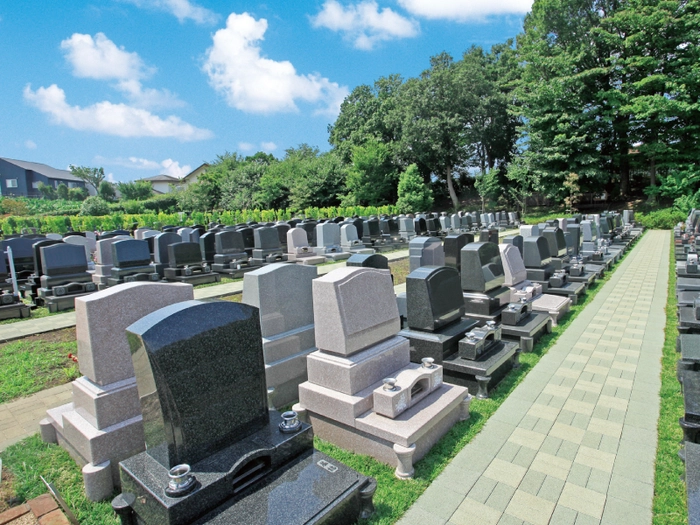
x=10 y=172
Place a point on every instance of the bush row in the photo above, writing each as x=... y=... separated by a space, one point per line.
x=117 y=220
x=664 y=219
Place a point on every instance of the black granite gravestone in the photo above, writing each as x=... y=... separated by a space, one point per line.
x=267 y=247
x=131 y=260
x=213 y=449
x=482 y=281
x=453 y=245
x=538 y=263
x=207 y=245
x=373 y=260
x=185 y=265
x=515 y=240
x=65 y=275
x=22 y=254
x=434 y=309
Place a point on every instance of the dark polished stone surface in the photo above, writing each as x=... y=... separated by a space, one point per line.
x=228 y=242
x=36 y=248
x=515 y=240
x=372 y=260
x=433 y=297
x=130 y=253
x=200 y=376
x=207 y=246
x=688 y=321
x=536 y=252
x=160 y=246
x=692 y=481
x=453 y=245
x=482 y=269
x=556 y=241
x=493 y=365
x=266 y=239
x=63 y=259
x=438 y=344
x=184 y=254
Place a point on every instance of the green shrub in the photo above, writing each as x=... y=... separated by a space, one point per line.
x=62 y=191
x=78 y=194
x=133 y=207
x=106 y=191
x=14 y=207
x=94 y=206
x=161 y=203
x=664 y=219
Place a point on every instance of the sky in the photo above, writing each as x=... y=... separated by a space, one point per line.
x=149 y=87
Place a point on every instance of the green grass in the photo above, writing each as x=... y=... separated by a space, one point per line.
x=28 y=366
x=669 y=506
x=393 y=496
x=31 y=458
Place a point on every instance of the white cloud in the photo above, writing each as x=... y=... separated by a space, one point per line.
x=464 y=10
x=245 y=146
x=268 y=146
x=110 y=178
x=364 y=23
x=101 y=59
x=255 y=84
x=30 y=144
x=111 y=119
x=174 y=169
x=168 y=166
x=182 y=9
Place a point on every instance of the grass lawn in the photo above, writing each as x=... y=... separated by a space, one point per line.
x=669 y=489
x=37 y=362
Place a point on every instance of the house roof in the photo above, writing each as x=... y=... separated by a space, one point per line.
x=197 y=170
x=163 y=178
x=43 y=169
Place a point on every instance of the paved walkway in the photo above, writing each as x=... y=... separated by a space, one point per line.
x=575 y=443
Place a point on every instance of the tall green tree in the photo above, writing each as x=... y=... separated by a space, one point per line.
x=91 y=176
x=372 y=177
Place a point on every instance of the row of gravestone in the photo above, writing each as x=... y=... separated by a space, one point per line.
x=688 y=346
x=481 y=360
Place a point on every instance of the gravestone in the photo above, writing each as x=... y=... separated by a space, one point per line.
x=540 y=270
x=350 y=241
x=363 y=394
x=298 y=249
x=482 y=281
x=434 y=310
x=131 y=261
x=529 y=230
x=267 y=247
x=214 y=452
x=65 y=276
x=515 y=240
x=231 y=256
x=102 y=425
x=11 y=305
x=22 y=254
x=185 y=265
x=407 y=229
x=160 y=250
x=453 y=245
x=425 y=251
x=103 y=261
x=328 y=242
x=282 y=294
x=86 y=243
x=207 y=245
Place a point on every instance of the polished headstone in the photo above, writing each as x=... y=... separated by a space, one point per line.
x=482 y=269
x=434 y=298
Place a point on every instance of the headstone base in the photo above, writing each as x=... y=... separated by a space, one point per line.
x=489 y=304
x=687 y=321
x=416 y=429
x=555 y=306
x=483 y=374
x=305 y=258
x=528 y=330
x=436 y=344
x=17 y=310
x=687 y=284
x=58 y=304
x=194 y=280
x=570 y=290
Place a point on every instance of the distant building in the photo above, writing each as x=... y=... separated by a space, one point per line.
x=192 y=176
x=163 y=183
x=19 y=178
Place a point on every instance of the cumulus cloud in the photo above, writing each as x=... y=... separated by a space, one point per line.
x=110 y=178
x=246 y=146
x=111 y=119
x=464 y=10
x=30 y=144
x=268 y=146
x=168 y=166
x=101 y=59
x=255 y=84
x=173 y=168
x=182 y=9
x=364 y=23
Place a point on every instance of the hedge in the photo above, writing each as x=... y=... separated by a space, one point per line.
x=115 y=221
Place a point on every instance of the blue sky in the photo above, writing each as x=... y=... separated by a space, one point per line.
x=143 y=87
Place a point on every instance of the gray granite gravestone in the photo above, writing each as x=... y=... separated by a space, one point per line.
x=298 y=249
x=328 y=242
x=267 y=247
x=102 y=425
x=482 y=281
x=363 y=393
x=425 y=251
x=282 y=293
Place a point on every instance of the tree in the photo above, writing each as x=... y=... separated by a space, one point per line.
x=62 y=191
x=239 y=186
x=91 y=176
x=139 y=190
x=94 y=206
x=488 y=186
x=414 y=194
x=106 y=191
x=372 y=178
x=77 y=194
